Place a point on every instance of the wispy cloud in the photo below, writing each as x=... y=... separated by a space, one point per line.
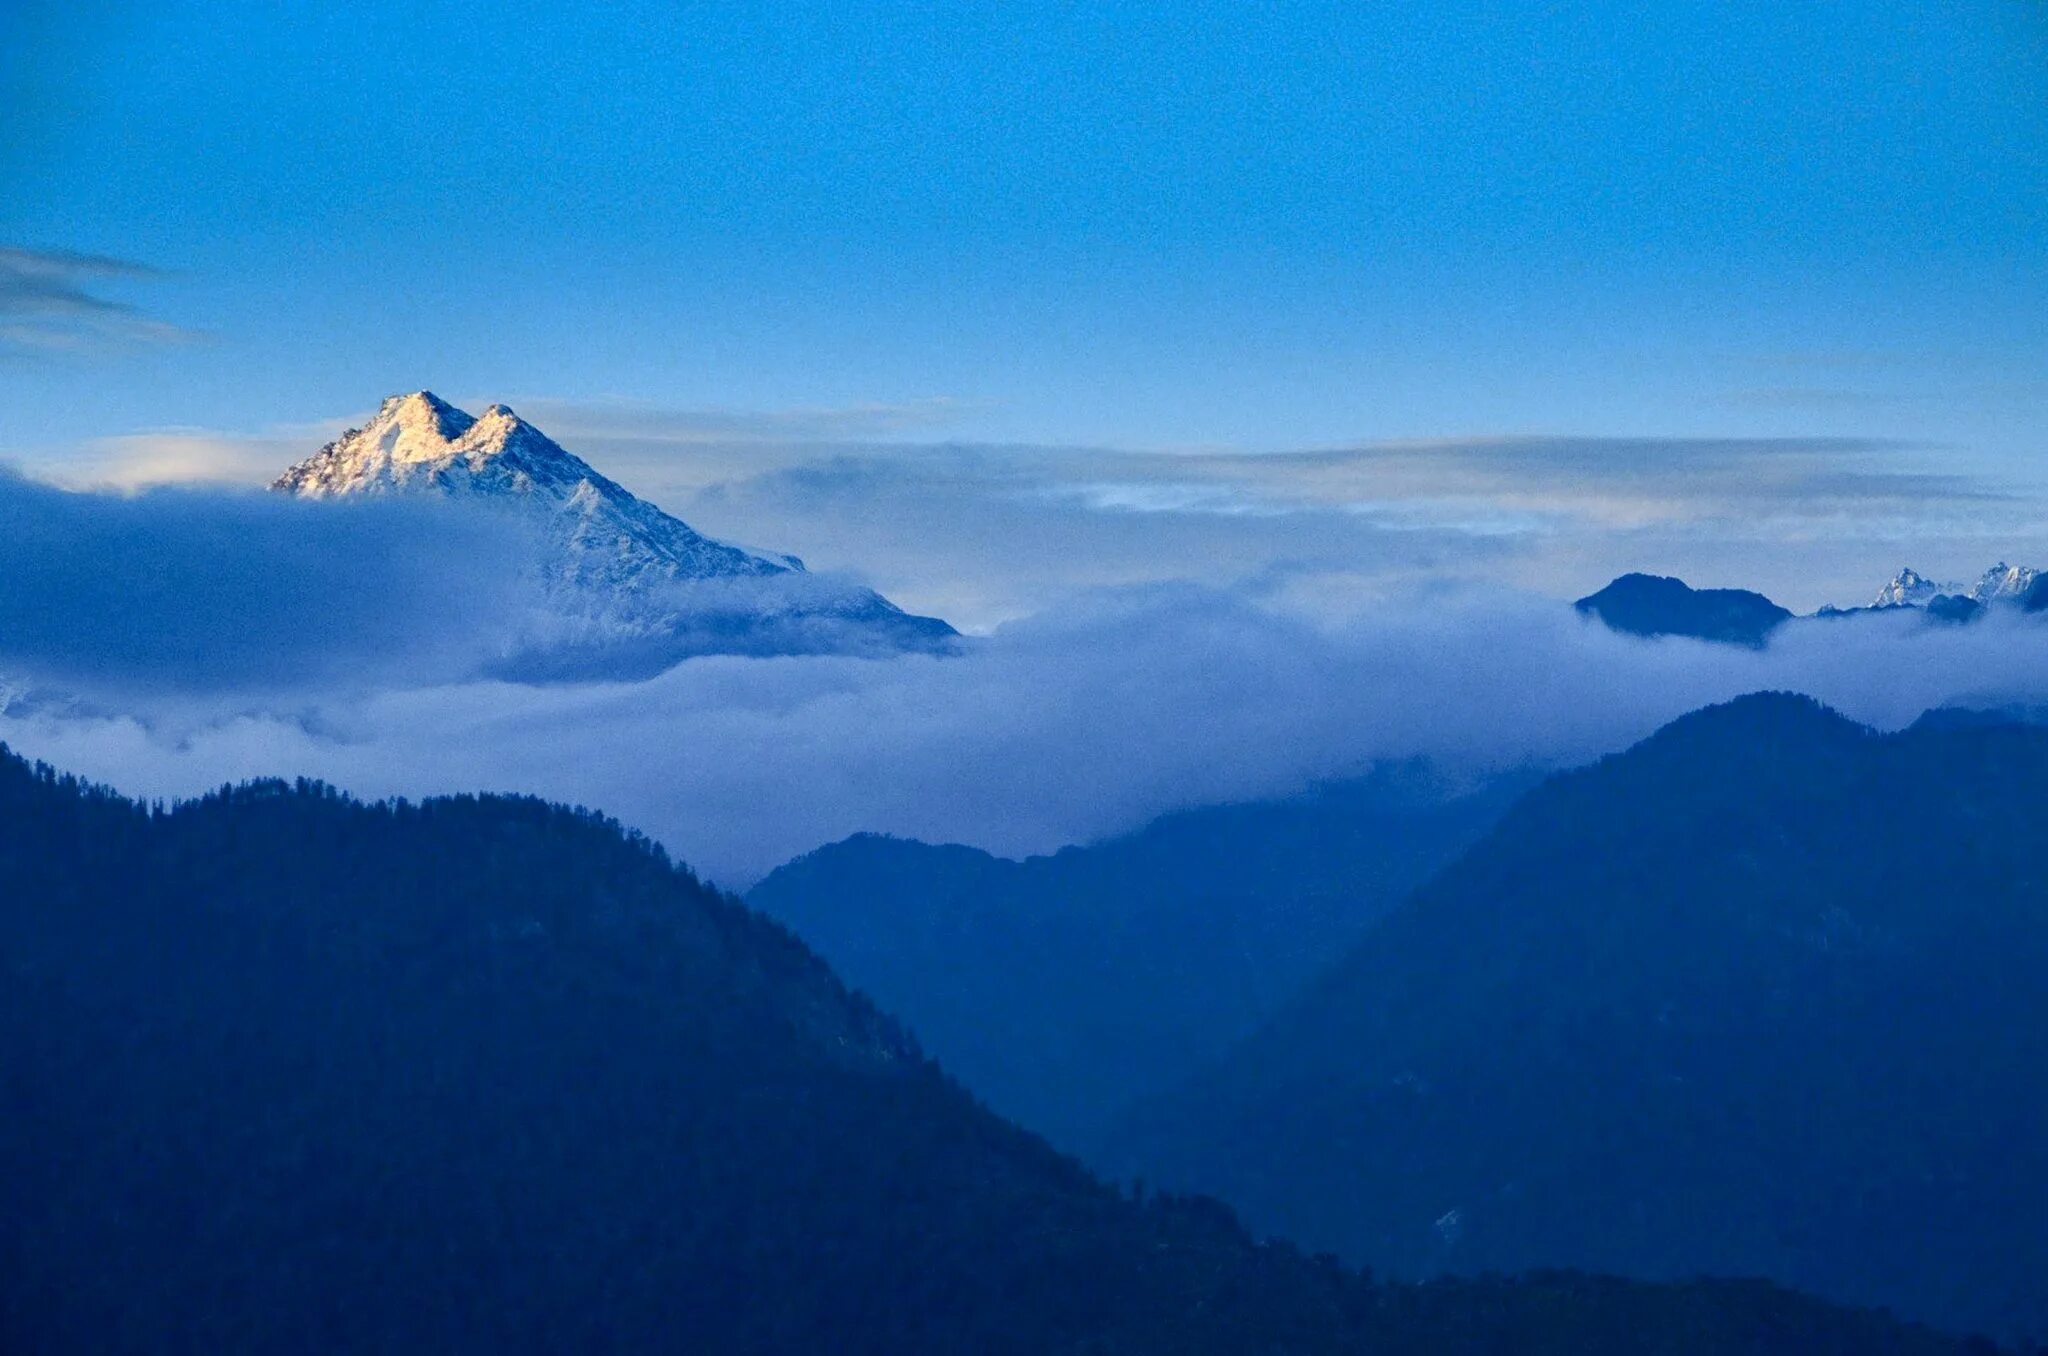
x=628 y=421
x=983 y=532
x=54 y=301
x=188 y=456
x=998 y=529
x=1580 y=480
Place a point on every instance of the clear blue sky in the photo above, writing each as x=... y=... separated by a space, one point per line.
x=1133 y=224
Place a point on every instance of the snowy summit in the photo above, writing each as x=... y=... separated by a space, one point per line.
x=1909 y=588
x=1999 y=584
x=619 y=571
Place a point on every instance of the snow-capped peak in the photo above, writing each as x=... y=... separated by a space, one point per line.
x=420 y=444
x=416 y=440
x=2000 y=583
x=1909 y=588
x=610 y=556
x=2003 y=581
x=416 y=427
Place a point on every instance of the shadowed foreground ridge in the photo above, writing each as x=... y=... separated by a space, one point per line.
x=1761 y=996
x=1064 y=988
x=287 y=1072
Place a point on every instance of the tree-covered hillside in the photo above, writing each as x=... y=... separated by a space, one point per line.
x=1765 y=995
x=1064 y=988
x=285 y=1072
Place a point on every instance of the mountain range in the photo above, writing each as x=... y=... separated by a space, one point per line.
x=1699 y=1008
x=627 y=586
x=1062 y=988
x=1657 y=605
x=2000 y=583
x=287 y=1072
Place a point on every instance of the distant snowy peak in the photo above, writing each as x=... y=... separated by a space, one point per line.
x=420 y=444
x=2000 y=583
x=1910 y=588
x=2003 y=581
x=1653 y=605
x=613 y=567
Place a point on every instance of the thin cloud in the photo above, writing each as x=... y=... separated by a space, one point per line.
x=162 y=457
x=1005 y=528
x=621 y=421
x=53 y=301
x=982 y=533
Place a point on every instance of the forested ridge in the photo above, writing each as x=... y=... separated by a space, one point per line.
x=1762 y=995
x=287 y=1072
x=1065 y=988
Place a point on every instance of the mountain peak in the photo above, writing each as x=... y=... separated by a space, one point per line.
x=418 y=441
x=2001 y=583
x=2004 y=581
x=1759 y=718
x=501 y=416
x=499 y=428
x=609 y=559
x=423 y=410
x=1657 y=605
x=1908 y=588
x=415 y=400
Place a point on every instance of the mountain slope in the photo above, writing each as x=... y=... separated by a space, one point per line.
x=619 y=573
x=286 y=1072
x=1062 y=988
x=1702 y=1007
x=1654 y=605
x=1910 y=588
x=2001 y=583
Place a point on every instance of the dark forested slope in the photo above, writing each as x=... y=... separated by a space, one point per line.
x=1765 y=995
x=1063 y=988
x=285 y=1073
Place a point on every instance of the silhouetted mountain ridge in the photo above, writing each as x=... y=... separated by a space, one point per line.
x=1761 y=995
x=1064 y=987
x=1656 y=605
x=288 y=1072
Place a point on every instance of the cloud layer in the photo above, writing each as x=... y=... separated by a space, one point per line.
x=214 y=591
x=1163 y=629
x=1059 y=729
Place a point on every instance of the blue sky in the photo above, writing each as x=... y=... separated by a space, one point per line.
x=1128 y=226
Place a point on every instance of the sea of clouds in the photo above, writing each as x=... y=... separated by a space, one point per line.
x=169 y=642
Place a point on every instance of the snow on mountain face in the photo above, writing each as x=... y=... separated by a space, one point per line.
x=2000 y=583
x=2003 y=581
x=420 y=444
x=1911 y=589
x=613 y=566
